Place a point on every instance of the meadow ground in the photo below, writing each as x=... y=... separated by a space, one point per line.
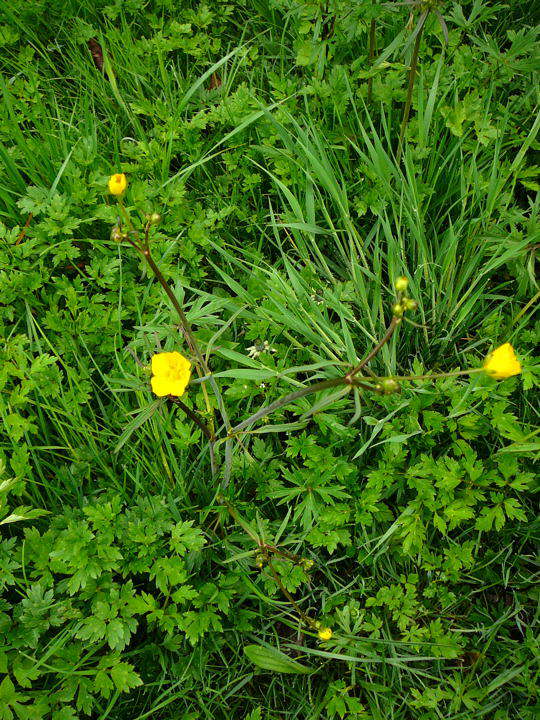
x=332 y=199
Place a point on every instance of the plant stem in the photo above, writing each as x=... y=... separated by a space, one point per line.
x=181 y=314
x=433 y=376
x=412 y=77
x=280 y=402
x=306 y=619
x=264 y=548
x=347 y=379
x=193 y=416
x=372 y=51
x=239 y=520
x=382 y=342
x=201 y=365
x=192 y=342
x=527 y=306
x=297 y=394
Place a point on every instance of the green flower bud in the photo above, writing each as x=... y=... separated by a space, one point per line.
x=401 y=284
x=389 y=386
x=410 y=304
x=117 y=235
x=397 y=310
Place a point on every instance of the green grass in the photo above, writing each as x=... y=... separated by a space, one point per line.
x=286 y=217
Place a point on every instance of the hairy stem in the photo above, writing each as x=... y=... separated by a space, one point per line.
x=372 y=51
x=201 y=364
x=306 y=619
x=181 y=314
x=296 y=395
x=194 y=417
x=434 y=376
x=382 y=342
x=412 y=78
x=285 y=400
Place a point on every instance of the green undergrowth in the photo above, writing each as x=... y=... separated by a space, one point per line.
x=266 y=135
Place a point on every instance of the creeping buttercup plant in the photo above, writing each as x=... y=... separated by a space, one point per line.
x=207 y=508
x=171 y=375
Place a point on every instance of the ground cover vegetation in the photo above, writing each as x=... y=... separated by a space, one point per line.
x=267 y=372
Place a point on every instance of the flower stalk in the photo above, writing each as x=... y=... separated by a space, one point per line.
x=194 y=417
x=201 y=365
x=412 y=77
x=378 y=347
x=372 y=51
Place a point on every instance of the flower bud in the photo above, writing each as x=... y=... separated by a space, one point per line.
x=401 y=283
x=397 y=310
x=389 y=386
x=155 y=218
x=410 y=304
x=306 y=563
x=117 y=235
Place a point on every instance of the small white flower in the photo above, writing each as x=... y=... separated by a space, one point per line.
x=254 y=351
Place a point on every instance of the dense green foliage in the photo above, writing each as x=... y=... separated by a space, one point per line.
x=133 y=583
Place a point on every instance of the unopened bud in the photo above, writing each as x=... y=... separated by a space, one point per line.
x=307 y=564
x=389 y=386
x=410 y=304
x=401 y=283
x=397 y=310
x=155 y=218
x=117 y=235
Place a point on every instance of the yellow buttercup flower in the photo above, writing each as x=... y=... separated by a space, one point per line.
x=171 y=373
x=502 y=362
x=117 y=183
x=325 y=633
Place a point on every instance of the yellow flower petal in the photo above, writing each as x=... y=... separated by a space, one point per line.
x=325 y=633
x=183 y=365
x=502 y=362
x=161 y=362
x=117 y=183
x=160 y=386
x=171 y=374
x=178 y=387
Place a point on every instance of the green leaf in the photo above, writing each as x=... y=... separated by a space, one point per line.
x=305 y=53
x=140 y=418
x=196 y=624
x=23 y=513
x=124 y=677
x=269 y=658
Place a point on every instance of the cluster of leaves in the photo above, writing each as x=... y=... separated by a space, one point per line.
x=264 y=134
x=76 y=595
